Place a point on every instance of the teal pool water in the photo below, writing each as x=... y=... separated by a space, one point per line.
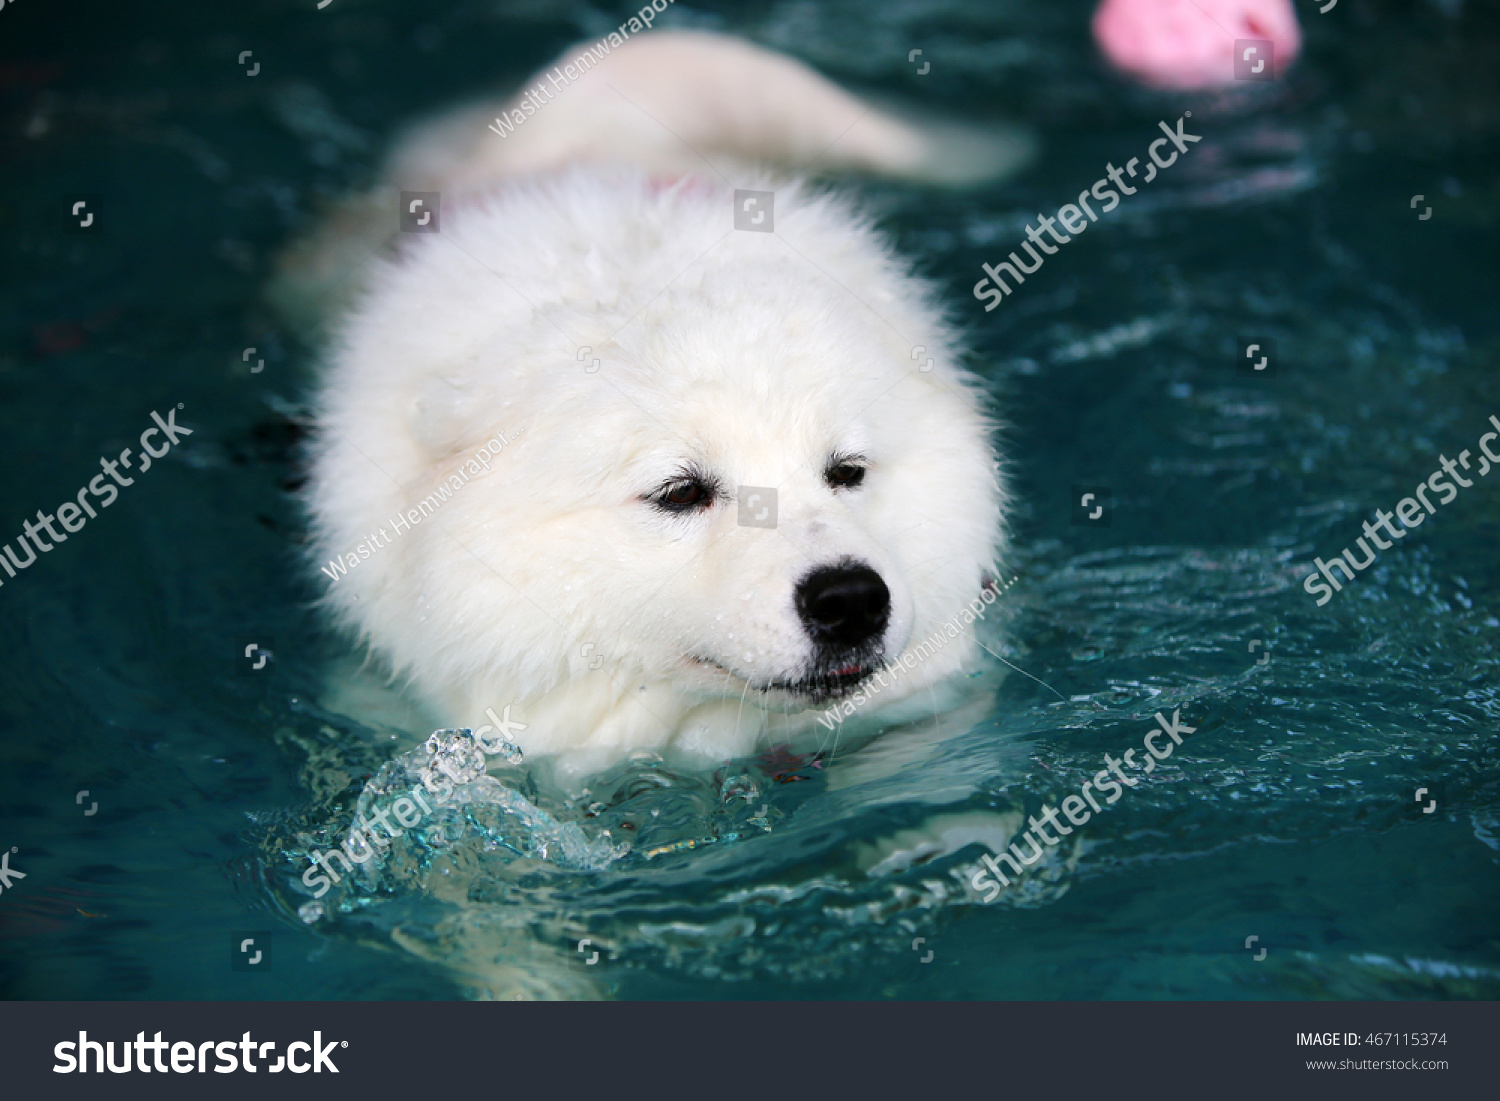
x=161 y=795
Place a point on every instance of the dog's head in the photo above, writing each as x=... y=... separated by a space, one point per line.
x=739 y=464
x=790 y=497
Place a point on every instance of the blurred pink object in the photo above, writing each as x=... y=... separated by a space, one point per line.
x=1189 y=44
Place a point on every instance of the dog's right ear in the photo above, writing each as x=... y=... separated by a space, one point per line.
x=318 y=277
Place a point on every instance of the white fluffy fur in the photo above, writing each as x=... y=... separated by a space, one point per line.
x=671 y=102
x=753 y=356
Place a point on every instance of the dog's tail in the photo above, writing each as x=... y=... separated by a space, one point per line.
x=672 y=102
x=690 y=102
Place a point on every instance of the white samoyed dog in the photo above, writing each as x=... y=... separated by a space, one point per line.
x=647 y=445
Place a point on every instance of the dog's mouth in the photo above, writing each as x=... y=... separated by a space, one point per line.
x=817 y=686
x=826 y=685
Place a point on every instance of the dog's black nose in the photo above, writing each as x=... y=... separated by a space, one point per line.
x=843 y=607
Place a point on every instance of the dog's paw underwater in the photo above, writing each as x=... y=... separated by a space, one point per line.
x=662 y=460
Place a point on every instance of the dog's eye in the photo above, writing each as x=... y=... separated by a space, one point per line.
x=686 y=495
x=844 y=475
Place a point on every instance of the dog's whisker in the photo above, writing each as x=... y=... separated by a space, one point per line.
x=1023 y=672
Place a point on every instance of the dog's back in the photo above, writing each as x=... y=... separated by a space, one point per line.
x=673 y=103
